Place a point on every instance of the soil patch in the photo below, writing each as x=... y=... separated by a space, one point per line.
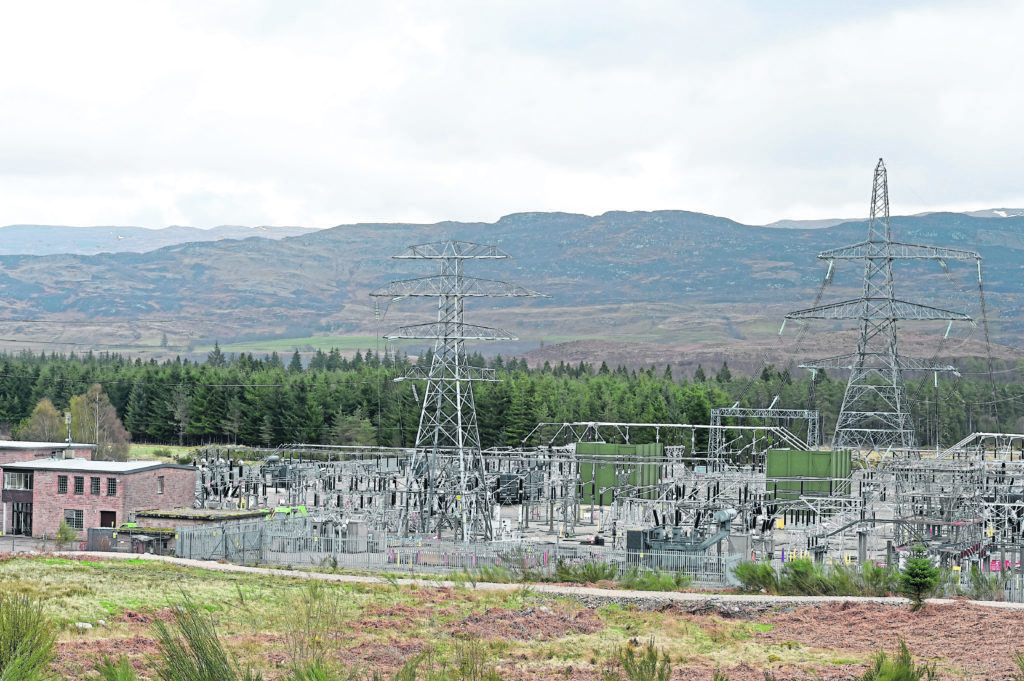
x=970 y=641
x=75 y=659
x=528 y=624
x=143 y=618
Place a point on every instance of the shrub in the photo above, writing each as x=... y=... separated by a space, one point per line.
x=918 y=578
x=192 y=651
x=469 y=664
x=121 y=670
x=654 y=581
x=585 y=573
x=1018 y=661
x=879 y=580
x=899 y=668
x=982 y=587
x=522 y=564
x=757 y=576
x=313 y=671
x=318 y=671
x=496 y=575
x=806 y=578
x=65 y=534
x=26 y=638
x=311 y=618
x=648 y=666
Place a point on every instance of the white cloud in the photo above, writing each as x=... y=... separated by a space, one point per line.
x=324 y=113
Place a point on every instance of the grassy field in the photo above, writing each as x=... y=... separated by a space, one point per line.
x=269 y=621
x=165 y=453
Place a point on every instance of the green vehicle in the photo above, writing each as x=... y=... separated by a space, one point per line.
x=288 y=510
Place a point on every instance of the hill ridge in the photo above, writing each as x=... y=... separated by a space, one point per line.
x=668 y=278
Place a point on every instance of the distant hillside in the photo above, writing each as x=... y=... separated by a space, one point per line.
x=997 y=213
x=53 y=239
x=671 y=279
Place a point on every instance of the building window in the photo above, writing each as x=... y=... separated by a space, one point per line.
x=75 y=518
x=18 y=480
x=62 y=484
x=160 y=484
x=94 y=486
x=111 y=487
x=79 y=484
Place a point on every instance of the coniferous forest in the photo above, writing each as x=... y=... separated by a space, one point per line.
x=332 y=399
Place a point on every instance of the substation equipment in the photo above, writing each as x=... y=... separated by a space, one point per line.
x=754 y=484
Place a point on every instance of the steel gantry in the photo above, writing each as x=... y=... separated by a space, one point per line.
x=771 y=416
x=875 y=413
x=446 y=485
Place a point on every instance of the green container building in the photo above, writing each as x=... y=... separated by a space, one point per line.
x=795 y=473
x=598 y=474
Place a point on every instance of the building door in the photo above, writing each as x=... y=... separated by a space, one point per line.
x=21 y=523
x=108 y=518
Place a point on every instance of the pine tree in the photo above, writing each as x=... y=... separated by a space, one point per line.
x=233 y=419
x=522 y=414
x=918 y=578
x=724 y=375
x=181 y=410
x=137 y=414
x=215 y=357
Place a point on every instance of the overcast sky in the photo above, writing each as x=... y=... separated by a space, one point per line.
x=324 y=113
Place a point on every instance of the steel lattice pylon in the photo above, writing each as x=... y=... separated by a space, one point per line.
x=446 y=484
x=875 y=413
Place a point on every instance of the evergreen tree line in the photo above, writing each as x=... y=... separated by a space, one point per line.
x=242 y=399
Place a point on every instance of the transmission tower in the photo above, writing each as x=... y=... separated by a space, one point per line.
x=446 y=483
x=875 y=414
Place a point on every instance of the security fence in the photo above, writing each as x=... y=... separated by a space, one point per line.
x=301 y=542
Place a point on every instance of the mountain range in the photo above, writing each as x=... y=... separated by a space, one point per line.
x=55 y=239
x=644 y=287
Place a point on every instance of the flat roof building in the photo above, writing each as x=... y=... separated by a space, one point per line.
x=22 y=450
x=38 y=494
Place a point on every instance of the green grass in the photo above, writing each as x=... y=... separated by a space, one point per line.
x=157 y=452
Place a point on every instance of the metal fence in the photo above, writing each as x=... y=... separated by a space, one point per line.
x=293 y=542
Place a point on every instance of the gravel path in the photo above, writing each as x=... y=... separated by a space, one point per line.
x=590 y=596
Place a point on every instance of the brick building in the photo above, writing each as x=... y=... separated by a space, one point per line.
x=17 y=450
x=37 y=495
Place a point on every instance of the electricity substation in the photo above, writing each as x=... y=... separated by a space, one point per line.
x=753 y=484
